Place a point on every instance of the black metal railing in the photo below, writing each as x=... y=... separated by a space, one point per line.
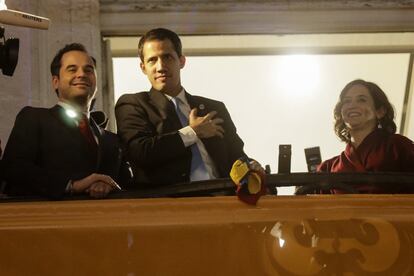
x=306 y=182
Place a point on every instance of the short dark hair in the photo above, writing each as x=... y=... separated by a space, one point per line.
x=57 y=60
x=160 y=34
x=380 y=101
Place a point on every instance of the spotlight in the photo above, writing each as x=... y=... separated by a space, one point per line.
x=9 y=53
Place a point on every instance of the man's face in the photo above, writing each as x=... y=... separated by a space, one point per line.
x=76 y=83
x=162 y=66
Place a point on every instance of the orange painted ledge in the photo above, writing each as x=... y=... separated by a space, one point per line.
x=282 y=235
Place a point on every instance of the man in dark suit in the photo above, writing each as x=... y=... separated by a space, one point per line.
x=170 y=135
x=56 y=151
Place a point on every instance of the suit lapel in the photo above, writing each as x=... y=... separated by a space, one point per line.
x=66 y=124
x=191 y=100
x=195 y=102
x=166 y=110
x=98 y=132
x=58 y=112
x=202 y=110
x=69 y=128
x=95 y=128
x=161 y=102
x=215 y=145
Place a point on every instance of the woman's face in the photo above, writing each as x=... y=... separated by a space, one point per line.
x=358 y=109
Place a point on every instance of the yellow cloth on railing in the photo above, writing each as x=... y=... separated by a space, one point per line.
x=250 y=183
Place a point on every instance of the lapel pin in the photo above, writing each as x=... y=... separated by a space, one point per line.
x=201 y=106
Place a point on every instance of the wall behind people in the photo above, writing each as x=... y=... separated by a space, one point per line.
x=71 y=20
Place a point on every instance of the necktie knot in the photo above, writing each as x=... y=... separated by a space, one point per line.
x=83 y=121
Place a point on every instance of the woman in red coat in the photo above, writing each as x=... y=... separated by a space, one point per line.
x=364 y=119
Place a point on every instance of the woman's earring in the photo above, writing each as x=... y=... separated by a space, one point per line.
x=379 y=124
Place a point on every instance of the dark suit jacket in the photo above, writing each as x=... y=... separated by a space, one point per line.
x=45 y=150
x=148 y=126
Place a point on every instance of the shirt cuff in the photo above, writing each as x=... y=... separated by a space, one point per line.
x=69 y=187
x=188 y=136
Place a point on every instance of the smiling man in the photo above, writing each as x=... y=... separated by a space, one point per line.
x=60 y=150
x=170 y=135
